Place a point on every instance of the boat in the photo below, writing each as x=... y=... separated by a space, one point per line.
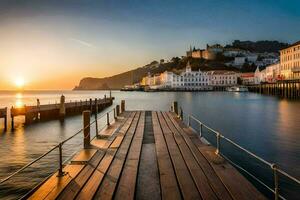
x=237 y=89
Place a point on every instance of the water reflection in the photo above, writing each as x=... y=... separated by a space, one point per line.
x=19 y=100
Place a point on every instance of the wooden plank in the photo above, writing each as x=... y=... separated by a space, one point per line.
x=109 y=183
x=105 y=143
x=201 y=171
x=127 y=181
x=100 y=143
x=110 y=130
x=83 y=156
x=95 y=180
x=238 y=186
x=117 y=142
x=77 y=183
x=185 y=180
x=54 y=185
x=148 y=184
x=168 y=181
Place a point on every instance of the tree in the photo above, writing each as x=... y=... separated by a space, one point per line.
x=175 y=60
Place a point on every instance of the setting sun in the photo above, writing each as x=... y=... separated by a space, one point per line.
x=20 y=82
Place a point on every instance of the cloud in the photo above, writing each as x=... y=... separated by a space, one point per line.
x=84 y=43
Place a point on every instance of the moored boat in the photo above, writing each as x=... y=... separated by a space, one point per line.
x=237 y=89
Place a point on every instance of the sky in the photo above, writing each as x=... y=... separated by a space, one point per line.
x=53 y=44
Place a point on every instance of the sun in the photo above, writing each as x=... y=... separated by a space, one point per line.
x=20 y=82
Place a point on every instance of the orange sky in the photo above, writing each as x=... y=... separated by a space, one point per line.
x=48 y=60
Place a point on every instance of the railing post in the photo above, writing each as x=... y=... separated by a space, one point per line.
x=181 y=113
x=96 y=120
x=12 y=118
x=60 y=170
x=200 y=131
x=122 y=106
x=276 y=182
x=107 y=119
x=115 y=117
x=118 y=110
x=5 y=119
x=91 y=106
x=62 y=108
x=188 y=120
x=175 y=106
x=218 y=143
x=86 y=128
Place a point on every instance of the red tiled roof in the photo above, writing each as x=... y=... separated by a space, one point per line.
x=247 y=75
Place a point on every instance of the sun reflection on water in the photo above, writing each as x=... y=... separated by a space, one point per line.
x=19 y=100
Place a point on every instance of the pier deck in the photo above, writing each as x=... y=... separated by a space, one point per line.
x=148 y=155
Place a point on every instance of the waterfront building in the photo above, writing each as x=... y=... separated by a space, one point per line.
x=290 y=62
x=191 y=80
x=186 y=80
x=222 y=78
x=247 y=78
x=273 y=73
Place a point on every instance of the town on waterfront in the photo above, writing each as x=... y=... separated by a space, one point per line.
x=151 y=100
x=270 y=67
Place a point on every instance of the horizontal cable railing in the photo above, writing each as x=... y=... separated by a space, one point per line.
x=219 y=136
x=60 y=145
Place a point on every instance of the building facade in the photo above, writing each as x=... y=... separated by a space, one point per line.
x=222 y=78
x=191 y=80
x=290 y=62
x=248 y=78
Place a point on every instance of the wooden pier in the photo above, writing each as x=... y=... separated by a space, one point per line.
x=284 y=89
x=147 y=155
x=58 y=111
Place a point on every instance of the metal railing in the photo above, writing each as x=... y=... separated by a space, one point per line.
x=275 y=169
x=60 y=145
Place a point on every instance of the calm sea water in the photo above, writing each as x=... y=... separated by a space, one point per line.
x=265 y=125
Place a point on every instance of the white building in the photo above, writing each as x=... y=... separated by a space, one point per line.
x=222 y=78
x=191 y=80
x=239 y=61
x=251 y=57
x=259 y=76
x=233 y=52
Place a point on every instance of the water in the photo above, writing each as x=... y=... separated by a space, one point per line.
x=265 y=125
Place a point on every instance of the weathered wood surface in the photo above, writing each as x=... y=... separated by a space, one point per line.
x=168 y=155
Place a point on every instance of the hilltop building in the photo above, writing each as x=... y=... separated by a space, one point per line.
x=209 y=53
x=290 y=62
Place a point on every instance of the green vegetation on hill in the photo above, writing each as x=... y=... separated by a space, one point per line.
x=259 y=46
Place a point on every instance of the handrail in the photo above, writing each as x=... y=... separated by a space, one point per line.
x=273 y=166
x=55 y=147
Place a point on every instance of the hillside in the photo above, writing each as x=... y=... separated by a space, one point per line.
x=259 y=46
x=176 y=64
x=136 y=75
